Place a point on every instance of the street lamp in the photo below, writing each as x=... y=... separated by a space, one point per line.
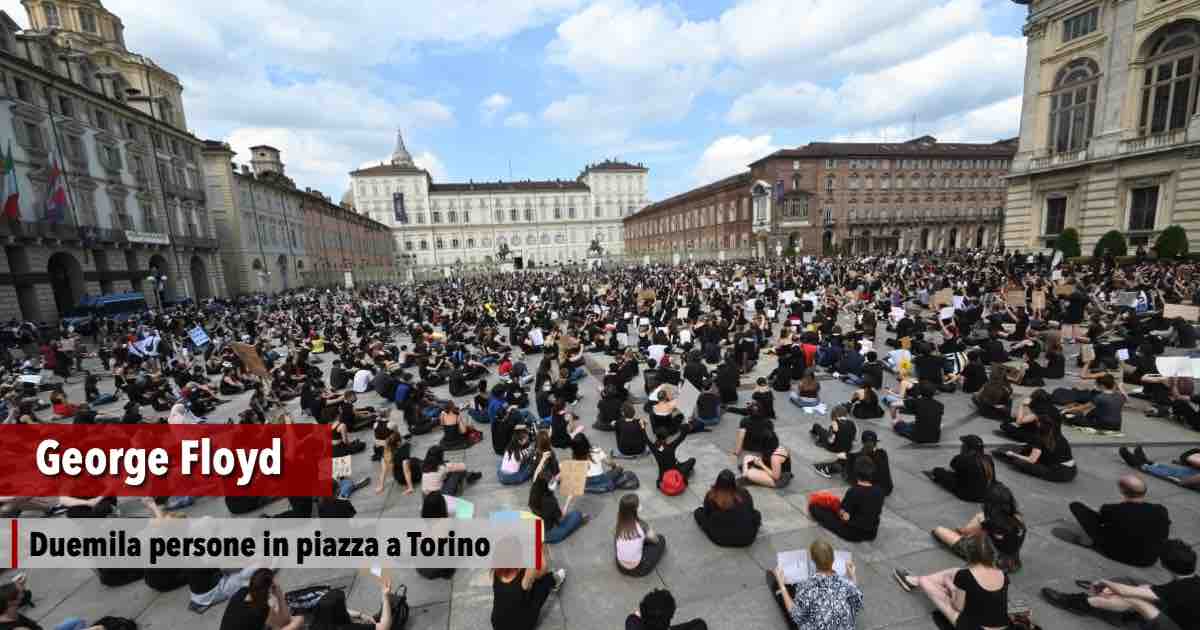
x=157 y=281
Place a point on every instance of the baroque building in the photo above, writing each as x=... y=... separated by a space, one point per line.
x=535 y=222
x=131 y=211
x=1109 y=134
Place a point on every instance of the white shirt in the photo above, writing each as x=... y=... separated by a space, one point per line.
x=629 y=550
x=362 y=381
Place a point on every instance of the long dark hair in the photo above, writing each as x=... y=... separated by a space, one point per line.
x=627 y=517
x=434 y=457
x=1047 y=440
x=538 y=490
x=724 y=491
x=259 y=588
x=581 y=448
x=515 y=447
x=434 y=506
x=331 y=610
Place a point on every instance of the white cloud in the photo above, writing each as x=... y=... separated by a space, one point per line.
x=312 y=159
x=432 y=163
x=975 y=70
x=491 y=106
x=731 y=155
x=997 y=121
x=518 y=120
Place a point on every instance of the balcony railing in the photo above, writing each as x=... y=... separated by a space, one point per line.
x=1157 y=141
x=1058 y=159
x=69 y=232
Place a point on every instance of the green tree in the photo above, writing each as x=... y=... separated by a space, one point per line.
x=1068 y=243
x=1172 y=242
x=1113 y=242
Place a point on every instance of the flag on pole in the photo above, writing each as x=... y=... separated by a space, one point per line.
x=56 y=195
x=12 y=206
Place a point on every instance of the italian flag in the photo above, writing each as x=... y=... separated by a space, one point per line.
x=12 y=207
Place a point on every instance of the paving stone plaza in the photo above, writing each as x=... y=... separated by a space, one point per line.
x=724 y=586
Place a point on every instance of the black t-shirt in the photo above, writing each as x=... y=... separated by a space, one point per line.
x=927 y=428
x=336 y=508
x=755 y=427
x=512 y=606
x=1181 y=600
x=974 y=377
x=864 y=504
x=239 y=615
x=1133 y=532
x=929 y=368
x=972 y=481
x=631 y=438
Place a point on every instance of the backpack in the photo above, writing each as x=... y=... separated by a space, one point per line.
x=628 y=481
x=304 y=600
x=673 y=483
x=116 y=623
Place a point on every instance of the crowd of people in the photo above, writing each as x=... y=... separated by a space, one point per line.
x=665 y=353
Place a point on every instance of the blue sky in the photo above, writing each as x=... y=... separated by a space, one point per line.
x=694 y=90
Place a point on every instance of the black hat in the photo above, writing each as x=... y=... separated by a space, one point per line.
x=974 y=441
x=870 y=436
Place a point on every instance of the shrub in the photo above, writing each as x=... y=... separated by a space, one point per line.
x=1068 y=243
x=1113 y=242
x=1172 y=242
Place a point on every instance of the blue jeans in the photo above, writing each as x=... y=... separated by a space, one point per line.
x=566 y=526
x=104 y=399
x=802 y=401
x=72 y=623
x=904 y=429
x=853 y=379
x=709 y=422
x=479 y=416
x=889 y=399
x=602 y=483
x=577 y=374
x=1169 y=470
x=515 y=479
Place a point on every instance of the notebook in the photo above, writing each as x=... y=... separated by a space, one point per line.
x=797 y=566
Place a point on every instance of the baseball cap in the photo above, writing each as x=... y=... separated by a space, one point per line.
x=870 y=436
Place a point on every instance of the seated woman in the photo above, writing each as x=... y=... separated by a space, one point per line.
x=971 y=472
x=728 y=516
x=807 y=392
x=825 y=598
x=519 y=594
x=751 y=433
x=864 y=403
x=612 y=400
x=857 y=518
x=632 y=440
x=437 y=505
x=1000 y=521
x=457 y=432
x=708 y=406
x=994 y=400
x=844 y=464
x=1186 y=472
x=566 y=389
x=517 y=463
x=773 y=472
x=331 y=612
x=665 y=414
x=602 y=475
x=663 y=449
x=839 y=437
x=1049 y=457
x=1024 y=427
x=639 y=548
x=762 y=399
x=557 y=522
x=230 y=383
x=62 y=408
x=260 y=605
x=436 y=474
x=975 y=597
x=1056 y=360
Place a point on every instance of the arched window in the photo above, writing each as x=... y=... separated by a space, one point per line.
x=1073 y=105
x=899 y=182
x=1169 y=83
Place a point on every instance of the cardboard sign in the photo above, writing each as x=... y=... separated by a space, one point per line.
x=945 y=297
x=1039 y=300
x=686 y=398
x=1015 y=298
x=1063 y=290
x=648 y=295
x=1123 y=354
x=1127 y=298
x=1188 y=313
x=682 y=313
x=250 y=359
x=536 y=337
x=685 y=336
x=897 y=313
x=787 y=297
x=656 y=352
x=572 y=477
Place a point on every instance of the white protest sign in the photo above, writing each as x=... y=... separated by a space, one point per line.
x=685 y=336
x=536 y=337
x=946 y=313
x=623 y=340
x=656 y=352
x=687 y=397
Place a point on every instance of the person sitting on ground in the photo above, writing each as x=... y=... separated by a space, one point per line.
x=437 y=505
x=91 y=392
x=639 y=548
x=773 y=472
x=62 y=407
x=519 y=594
x=1103 y=412
x=665 y=414
x=1049 y=457
x=1186 y=473
x=864 y=403
x=751 y=434
x=261 y=604
x=971 y=472
x=974 y=374
x=631 y=433
x=1131 y=532
x=708 y=405
x=807 y=392
x=457 y=432
x=839 y=437
x=1170 y=606
x=517 y=464
x=557 y=522
x=1024 y=427
x=857 y=519
x=975 y=597
x=728 y=516
x=13 y=595
x=844 y=464
x=825 y=599
x=663 y=449
x=1000 y=521
x=602 y=475
x=655 y=612
x=762 y=398
x=439 y=475
x=608 y=408
x=332 y=614
x=994 y=400
x=927 y=427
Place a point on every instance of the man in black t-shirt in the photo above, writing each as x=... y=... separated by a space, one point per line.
x=1171 y=606
x=927 y=428
x=1132 y=531
x=655 y=613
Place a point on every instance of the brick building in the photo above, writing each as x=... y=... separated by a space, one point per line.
x=848 y=197
x=341 y=243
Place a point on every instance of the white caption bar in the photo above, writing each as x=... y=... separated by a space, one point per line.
x=279 y=542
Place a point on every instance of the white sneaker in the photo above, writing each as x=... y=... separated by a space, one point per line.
x=560 y=576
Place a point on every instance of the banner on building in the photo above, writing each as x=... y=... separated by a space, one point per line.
x=398 y=208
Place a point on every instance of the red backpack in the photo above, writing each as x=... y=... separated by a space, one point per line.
x=673 y=483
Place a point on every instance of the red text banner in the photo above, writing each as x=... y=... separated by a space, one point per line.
x=165 y=460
